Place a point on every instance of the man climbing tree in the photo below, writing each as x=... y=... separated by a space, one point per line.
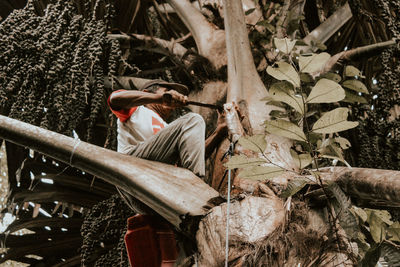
x=286 y=63
x=143 y=132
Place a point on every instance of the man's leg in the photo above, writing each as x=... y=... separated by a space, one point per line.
x=182 y=139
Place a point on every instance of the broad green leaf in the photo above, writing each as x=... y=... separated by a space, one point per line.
x=360 y=213
x=301 y=160
x=293 y=187
x=352 y=97
x=332 y=76
x=255 y=143
x=311 y=63
x=351 y=71
x=267 y=25
x=286 y=129
x=248 y=12
x=241 y=161
x=341 y=159
x=377 y=220
x=261 y=172
x=283 y=91
x=330 y=150
x=355 y=85
x=334 y=121
x=394 y=232
x=284 y=72
x=343 y=142
x=383 y=215
x=326 y=91
x=305 y=77
x=285 y=45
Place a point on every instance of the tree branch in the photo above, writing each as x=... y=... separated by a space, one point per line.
x=172 y=192
x=210 y=41
x=330 y=26
x=172 y=46
x=356 y=53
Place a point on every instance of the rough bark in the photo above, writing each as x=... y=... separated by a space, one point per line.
x=172 y=192
x=209 y=39
x=250 y=220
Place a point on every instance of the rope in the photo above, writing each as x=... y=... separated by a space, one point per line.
x=231 y=147
x=77 y=142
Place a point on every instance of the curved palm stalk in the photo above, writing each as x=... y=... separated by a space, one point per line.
x=210 y=41
x=330 y=26
x=356 y=53
x=173 y=47
x=170 y=191
x=371 y=187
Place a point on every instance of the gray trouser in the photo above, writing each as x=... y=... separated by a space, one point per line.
x=181 y=140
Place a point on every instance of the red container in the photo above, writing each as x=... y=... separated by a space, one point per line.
x=150 y=242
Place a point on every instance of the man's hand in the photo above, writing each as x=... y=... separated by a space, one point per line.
x=174 y=99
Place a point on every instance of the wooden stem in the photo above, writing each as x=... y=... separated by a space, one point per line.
x=174 y=193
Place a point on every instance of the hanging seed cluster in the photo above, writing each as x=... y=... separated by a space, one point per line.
x=52 y=67
x=379 y=133
x=103 y=233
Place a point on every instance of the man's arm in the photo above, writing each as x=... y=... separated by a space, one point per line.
x=219 y=134
x=128 y=99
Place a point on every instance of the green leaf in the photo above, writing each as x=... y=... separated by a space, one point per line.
x=275 y=114
x=267 y=25
x=343 y=142
x=285 y=128
x=293 y=187
x=383 y=215
x=261 y=172
x=285 y=45
x=311 y=63
x=241 y=161
x=331 y=150
x=351 y=71
x=305 y=77
x=355 y=85
x=283 y=91
x=378 y=221
x=334 y=121
x=284 y=72
x=332 y=76
x=301 y=160
x=255 y=143
x=360 y=213
x=326 y=91
x=341 y=159
x=354 y=98
x=248 y=12
x=393 y=232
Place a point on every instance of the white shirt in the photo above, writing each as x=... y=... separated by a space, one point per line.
x=135 y=125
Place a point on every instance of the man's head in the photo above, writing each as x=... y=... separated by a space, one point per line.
x=154 y=85
x=160 y=87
